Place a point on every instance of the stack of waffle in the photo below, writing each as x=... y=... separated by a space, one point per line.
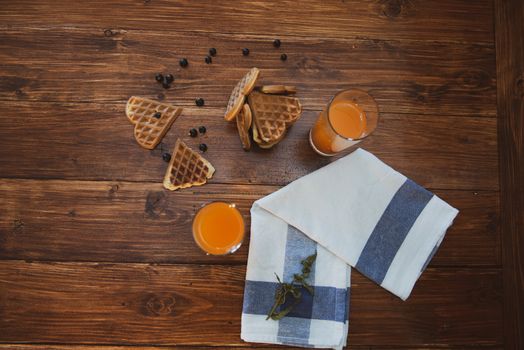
x=267 y=111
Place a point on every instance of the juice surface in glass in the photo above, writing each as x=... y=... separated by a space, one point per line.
x=218 y=228
x=348 y=118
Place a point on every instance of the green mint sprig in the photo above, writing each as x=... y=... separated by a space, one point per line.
x=293 y=289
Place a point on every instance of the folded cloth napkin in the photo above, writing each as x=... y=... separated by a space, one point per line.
x=357 y=212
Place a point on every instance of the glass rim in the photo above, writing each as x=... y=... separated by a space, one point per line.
x=233 y=248
x=328 y=107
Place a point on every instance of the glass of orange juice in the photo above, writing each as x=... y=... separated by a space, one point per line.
x=218 y=228
x=351 y=116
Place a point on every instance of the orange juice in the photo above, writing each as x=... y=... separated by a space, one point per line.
x=348 y=119
x=218 y=228
x=344 y=122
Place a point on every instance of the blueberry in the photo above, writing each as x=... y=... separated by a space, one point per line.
x=159 y=77
x=208 y=59
x=212 y=51
x=245 y=51
x=169 y=78
x=193 y=132
x=183 y=62
x=202 y=129
x=157 y=115
x=276 y=43
x=202 y=147
x=283 y=57
x=166 y=85
x=166 y=157
x=199 y=102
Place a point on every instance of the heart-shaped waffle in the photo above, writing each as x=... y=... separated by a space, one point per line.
x=186 y=168
x=243 y=88
x=152 y=119
x=263 y=144
x=272 y=114
x=244 y=120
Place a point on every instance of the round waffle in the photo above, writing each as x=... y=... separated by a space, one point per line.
x=244 y=120
x=243 y=88
x=278 y=89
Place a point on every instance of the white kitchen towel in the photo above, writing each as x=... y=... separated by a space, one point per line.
x=357 y=211
x=319 y=319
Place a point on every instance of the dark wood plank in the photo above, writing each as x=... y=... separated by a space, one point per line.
x=141 y=222
x=237 y=347
x=404 y=76
x=509 y=19
x=455 y=20
x=191 y=304
x=66 y=69
x=96 y=142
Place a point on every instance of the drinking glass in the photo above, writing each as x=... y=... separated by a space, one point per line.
x=349 y=117
x=218 y=228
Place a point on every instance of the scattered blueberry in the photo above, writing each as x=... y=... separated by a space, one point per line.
x=202 y=129
x=212 y=51
x=193 y=132
x=183 y=62
x=166 y=157
x=208 y=59
x=283 y=57
x=202 y=147
x=245 y=51
x=159 y=77
x=199 y=102
x=166 y=85
x=276 y=43
x=157 y=115
x=169 y=78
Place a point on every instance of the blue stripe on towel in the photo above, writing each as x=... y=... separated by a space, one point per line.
x=326 y=303
x=298 y=247
x=391 y=230
x=259 y=297
x=330 y=303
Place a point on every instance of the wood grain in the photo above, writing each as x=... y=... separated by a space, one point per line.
x=235 y=347
x=142 y=222
x=509 y=19
x=169 y=304
x=404 y=76
x=96 y=142
x=94 y=254
x=454 y=20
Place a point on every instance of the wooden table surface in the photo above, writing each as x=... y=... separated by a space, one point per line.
x=95 y=254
